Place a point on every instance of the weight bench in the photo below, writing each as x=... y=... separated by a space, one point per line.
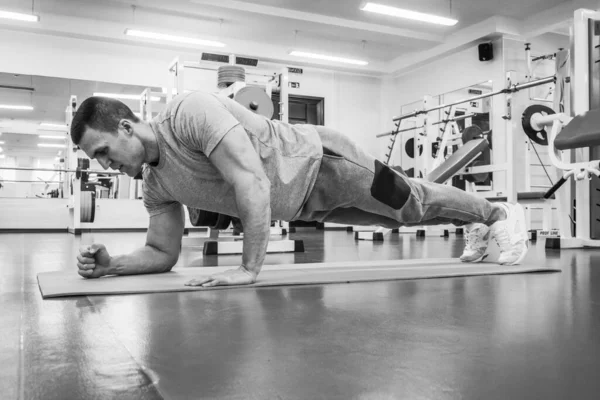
x=458 y=160
x=582 y=131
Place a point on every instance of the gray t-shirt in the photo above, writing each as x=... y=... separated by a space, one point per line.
x=190 y=128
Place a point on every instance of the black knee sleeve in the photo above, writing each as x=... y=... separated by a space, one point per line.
x=389 y=187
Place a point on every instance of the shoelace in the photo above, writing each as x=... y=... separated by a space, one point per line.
x=502 y=238
x=472 y=237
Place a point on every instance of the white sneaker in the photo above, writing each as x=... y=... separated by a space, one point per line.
x=478 y=238
x=511 y=235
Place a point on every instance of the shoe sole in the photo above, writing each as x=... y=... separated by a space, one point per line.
x=519 y=209
x=480 y=259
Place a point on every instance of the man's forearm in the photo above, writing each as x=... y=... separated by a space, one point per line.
x=254 y=208
x=147 y=260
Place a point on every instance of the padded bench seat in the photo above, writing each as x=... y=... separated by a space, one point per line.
x=582 y=131
x=458 y=160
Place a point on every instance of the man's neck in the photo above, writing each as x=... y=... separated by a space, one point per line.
x=150 y=143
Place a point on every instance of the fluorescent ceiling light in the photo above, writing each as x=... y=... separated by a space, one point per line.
x=124 y=96
x=52 y=137
x=172 y=38
x=1 y=142
x=51 y=145
x=327 y=58
x=11 y=107
x=19 y=16
x=50 y=125
x=401 y=13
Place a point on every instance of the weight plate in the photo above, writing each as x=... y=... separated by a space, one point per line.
x=228 y=74
x=209 y=219
x=84 y=206
x=223 y=222
x=471 y=132
x=87 y=210
x=202 y=218
x=537 y=136
x=409 y=148
x=256 y=100
x=193 y=215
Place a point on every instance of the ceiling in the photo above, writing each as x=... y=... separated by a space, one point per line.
x=265 y=29
x=268 y=29
x=468 y=12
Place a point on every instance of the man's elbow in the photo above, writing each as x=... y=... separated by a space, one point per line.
x=170 y=263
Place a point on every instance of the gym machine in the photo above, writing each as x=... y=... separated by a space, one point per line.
x=475 y=144
x=574 y=142
x=231 y=81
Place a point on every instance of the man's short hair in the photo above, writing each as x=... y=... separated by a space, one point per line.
x=100 y=113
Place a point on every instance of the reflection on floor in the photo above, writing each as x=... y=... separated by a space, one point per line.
x=492 y=337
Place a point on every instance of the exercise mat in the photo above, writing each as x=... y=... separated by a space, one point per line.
x=69 y=283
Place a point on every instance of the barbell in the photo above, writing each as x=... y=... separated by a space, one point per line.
x=77 y=170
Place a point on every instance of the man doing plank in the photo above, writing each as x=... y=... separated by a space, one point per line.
x=207 y=151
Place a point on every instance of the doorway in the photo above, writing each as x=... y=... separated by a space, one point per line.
x=302 y=109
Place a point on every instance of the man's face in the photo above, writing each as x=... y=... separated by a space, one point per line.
x=119 y=151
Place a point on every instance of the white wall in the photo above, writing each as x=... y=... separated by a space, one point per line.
x=352 y=102
x=548 y=43
x=356 y=105
x=448 y=74
x=445 y=75
x=464 y=69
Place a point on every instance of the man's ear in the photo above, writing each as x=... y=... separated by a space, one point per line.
x=126 y=126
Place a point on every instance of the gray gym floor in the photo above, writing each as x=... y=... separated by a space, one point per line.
x=494 y=337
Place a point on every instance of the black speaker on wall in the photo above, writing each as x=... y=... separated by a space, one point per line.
x=486 y=51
